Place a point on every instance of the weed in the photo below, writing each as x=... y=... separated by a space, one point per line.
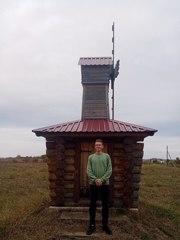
x=166 y=231
x=162 y=212
x=146 y=236
x=3 y=231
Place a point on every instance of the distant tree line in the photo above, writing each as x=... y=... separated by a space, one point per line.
x=19 y=158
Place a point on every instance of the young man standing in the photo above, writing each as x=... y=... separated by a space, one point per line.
x=99 y=170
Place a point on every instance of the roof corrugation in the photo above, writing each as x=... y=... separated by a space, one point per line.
x=95 y=61
x=94 y=125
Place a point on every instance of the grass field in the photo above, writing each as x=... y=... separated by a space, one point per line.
x=24 y=202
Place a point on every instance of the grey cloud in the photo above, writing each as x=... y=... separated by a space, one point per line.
x=41 y=42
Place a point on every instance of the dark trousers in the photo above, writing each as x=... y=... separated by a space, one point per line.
x=94 y=192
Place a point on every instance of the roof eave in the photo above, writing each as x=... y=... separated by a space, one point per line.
x=94 y=134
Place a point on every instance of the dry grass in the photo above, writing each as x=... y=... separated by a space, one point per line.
x=24 y=213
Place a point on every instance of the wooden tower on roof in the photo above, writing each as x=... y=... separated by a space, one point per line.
x=95 y=74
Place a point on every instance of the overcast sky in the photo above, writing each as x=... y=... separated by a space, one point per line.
x=41 y=42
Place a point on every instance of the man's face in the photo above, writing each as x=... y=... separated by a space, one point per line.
x=99 y=146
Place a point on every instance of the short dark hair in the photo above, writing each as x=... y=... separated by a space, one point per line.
x=99 y=140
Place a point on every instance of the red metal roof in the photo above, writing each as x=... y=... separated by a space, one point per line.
x=95 y=125
x=95 y=61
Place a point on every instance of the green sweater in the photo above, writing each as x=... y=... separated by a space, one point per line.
x=99 y=166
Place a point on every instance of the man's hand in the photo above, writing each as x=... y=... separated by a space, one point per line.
x=98 y=182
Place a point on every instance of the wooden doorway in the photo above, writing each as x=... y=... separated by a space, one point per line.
x=87 y=148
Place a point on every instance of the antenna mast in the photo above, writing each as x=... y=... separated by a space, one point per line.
x=115 y=70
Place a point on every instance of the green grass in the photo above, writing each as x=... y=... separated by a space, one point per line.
x=23 y=188
x=160 y=186
x=160 y=199
x=24 y=202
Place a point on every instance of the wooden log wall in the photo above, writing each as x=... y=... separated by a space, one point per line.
x=118 y=173
x=62 y=163
x=136 y=172
x=55 y=154
x=61 y=168
x=127 y=161
x=69 y=174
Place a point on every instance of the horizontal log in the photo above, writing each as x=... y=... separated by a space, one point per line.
x=52 y=185
x=60 y=174
x=52 y=168
x=117 y=202
x=118 y=161
x=60 y=156
x=68 y=185
x=128 y=165
x=68 y=194
x=69 y=202
x=60 y=147
x=128 y=185
x=58 y=201
x=52 y=193
x=51 y=161
x=128 y=157
x=136 y=186
x=138 y=154
x=136 y=169
x=139 y=146
x=118 y=177
x=50 y=145
x=59 y=183
x=135 y=203
x=87 y=147
x=69 y=176
x=136 y=178
x=135 y=194
x=70 y=152
x=118 y=185
x=59 y=192
x=70 y=145
x=128 y=176
x=118 y=194
x=118 y=169
x=69 y=160
x=52 y=176
x=128 y=192
x=127 y=202
x=67 y=190
x=128 y=140
x=119 y=154
x=119 y=146
x=128 y=148
x=137 y=161
x=69 y=168
x=60 y=164
x=51 y=153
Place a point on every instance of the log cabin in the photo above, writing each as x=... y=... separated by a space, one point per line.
x=69 y=144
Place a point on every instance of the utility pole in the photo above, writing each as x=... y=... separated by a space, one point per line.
x=168 y=156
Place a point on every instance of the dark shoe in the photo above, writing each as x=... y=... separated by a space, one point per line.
x=107 y=230
x=91 y=229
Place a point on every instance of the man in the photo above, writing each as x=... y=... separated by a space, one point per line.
x=99 y=170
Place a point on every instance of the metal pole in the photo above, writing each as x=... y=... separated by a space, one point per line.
x=112 y=86
x=167 y=155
